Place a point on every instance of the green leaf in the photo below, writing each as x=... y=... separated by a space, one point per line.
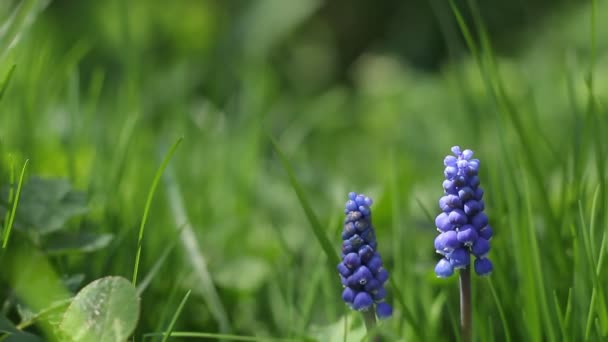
x=76 y=242
x=46 y=205
x=175 y=315
x=106 y=310
x=7 y=326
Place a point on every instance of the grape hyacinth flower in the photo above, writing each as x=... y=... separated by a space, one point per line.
x=361 y=271
x=463 y=229
x=462 y=224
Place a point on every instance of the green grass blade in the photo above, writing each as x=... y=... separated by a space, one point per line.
x=319 y=232
x=167 y=333
x=426 y=211
x=193 y=334
x=593 y=47
x=11 y=191
x=9 y=226
x=560 y=317
x=568 y=312
x=597 y=295
x=193 y=251
x=22 y=17
x=409 y=315
x=468 y=37
x=536 y=264
x=501 y=311
x=589 y=321
x=157 y=176
x=7 y=79
x=141 y=287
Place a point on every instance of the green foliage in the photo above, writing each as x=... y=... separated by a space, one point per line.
x=46 y=205
x=10 y=333
x=103 y=311
x=92 y=91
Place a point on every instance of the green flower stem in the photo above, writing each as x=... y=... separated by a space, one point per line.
x=466 y=320
x=370 y=324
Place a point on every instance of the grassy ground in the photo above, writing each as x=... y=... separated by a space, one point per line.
x=103 y=112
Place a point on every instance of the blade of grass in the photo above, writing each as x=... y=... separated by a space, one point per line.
x=319 y=232
x=466 y=33
x=596 y=267
x=170 y=296
x=157 y=176
x=536 y=264
x=11 y=191
x=560 y=317
x=191 y=247
x=589 y=321
x=398 y=238
x=7 y=79
x=568 y=312
x=406 y=311
x=169 y=330
x=501 y=311
x=427 y=213
x=23 y=16
x=310 y=295
x=141 y=287
x=193 y=334
x=9 y=226
x=597 y=294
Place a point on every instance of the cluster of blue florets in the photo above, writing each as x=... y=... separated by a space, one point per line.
x=361 y=270
x=463 y=226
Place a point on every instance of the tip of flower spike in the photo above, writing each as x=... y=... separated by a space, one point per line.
x=350 y=205
x=450 y=161
x=467 y=154
x=456 y=150
x=384 y=310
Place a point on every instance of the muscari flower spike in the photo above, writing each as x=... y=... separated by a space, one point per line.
x=462 y=224
x=361 y=271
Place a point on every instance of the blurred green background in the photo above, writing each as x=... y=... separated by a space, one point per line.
x=361 y=96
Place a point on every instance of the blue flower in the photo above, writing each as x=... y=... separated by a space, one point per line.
x=362 y=273
x=462 y=224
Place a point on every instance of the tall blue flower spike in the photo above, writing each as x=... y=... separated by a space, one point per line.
x=462 y=225
x=361 y=271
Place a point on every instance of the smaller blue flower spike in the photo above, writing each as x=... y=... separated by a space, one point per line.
x=462 y=224
x=361 y=270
